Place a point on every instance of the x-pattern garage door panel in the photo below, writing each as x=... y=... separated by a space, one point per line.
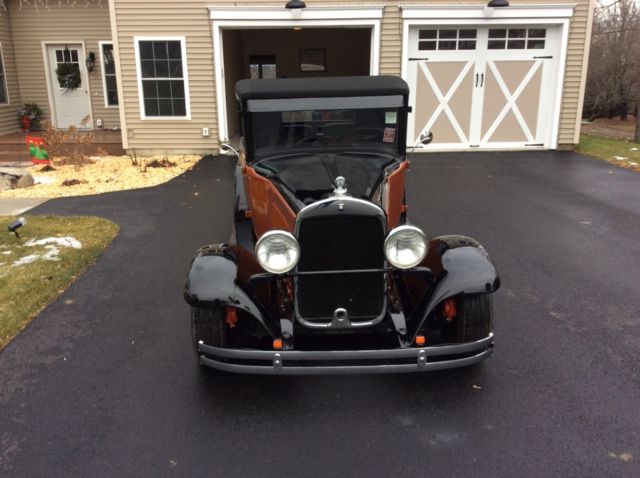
x=511 y=101
x=496 y=91
x=442 y=107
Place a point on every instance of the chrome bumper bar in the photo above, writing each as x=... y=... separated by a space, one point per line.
x=297 y=362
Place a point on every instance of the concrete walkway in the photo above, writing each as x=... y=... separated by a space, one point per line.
x=15 y=206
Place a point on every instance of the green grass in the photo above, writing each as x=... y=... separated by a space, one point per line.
x=26 y=289
x=606 y=148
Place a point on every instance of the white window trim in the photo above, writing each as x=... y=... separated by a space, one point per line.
x=554 y=15
x=278 y=17
x=185 y=77
x=104 y=76
x=4 y=78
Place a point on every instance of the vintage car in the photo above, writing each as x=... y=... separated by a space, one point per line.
x=323 y=272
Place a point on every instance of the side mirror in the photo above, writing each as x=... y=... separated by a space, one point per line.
x=226 y=147
x=425 y=139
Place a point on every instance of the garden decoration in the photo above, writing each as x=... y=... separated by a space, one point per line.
x=29 y=116
x=37 y=151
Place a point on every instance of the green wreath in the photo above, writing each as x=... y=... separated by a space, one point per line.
x=69 y=75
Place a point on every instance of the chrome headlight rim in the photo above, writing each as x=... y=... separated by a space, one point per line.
x=269 y=235
x=402 y=229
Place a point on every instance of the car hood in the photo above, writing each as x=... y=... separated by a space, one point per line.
x=311 y=177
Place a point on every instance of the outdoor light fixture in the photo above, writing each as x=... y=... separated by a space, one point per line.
x=90 y=61
x=294 y=4
x=498 y=3
x=15 y=225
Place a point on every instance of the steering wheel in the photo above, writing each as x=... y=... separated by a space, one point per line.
x=366 y=133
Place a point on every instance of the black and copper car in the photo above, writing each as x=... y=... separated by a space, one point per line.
x=323 y=272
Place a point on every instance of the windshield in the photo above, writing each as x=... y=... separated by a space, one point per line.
x=355 y=124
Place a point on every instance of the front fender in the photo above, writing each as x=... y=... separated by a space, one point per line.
x=211 y=282
x=464 y=268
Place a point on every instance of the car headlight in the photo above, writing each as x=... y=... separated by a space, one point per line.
x=405 y=247
x=277 y=251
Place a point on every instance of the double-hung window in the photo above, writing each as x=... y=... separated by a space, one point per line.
x=109 y=74
x=4 y=96
x=162 y=77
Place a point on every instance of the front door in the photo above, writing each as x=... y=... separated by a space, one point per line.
x=70 y=91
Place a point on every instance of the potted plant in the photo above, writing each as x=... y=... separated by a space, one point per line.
x=29 y=116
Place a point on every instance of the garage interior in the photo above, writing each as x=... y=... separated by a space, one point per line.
x=291 y=53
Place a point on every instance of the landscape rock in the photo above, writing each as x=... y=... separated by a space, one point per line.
x=13 y=178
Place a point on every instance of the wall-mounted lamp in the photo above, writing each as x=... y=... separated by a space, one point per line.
x=295 y=4
x=90 y=61
x=498 y=3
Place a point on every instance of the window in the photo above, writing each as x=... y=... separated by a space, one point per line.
x=162 y=78
x=517 y=38
x=262 y=66
x=447 y=39
x=109 y=74
x=4 y=97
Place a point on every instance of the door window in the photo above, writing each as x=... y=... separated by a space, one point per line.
x=447 y=39
x=262 y=66
x=517 y=38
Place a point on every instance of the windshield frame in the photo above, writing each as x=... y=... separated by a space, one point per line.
x=358 y=102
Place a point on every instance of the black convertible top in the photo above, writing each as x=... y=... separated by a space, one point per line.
x=320 y=87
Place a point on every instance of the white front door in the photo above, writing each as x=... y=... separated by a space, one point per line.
x=482 y=87
x=70 y=105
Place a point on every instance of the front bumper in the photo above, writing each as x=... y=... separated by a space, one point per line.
x=297 y=362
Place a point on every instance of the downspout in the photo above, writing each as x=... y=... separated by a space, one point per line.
x=585 y=67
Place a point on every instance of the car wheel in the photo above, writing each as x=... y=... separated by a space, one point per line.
x=474 y=317
x=207 y=324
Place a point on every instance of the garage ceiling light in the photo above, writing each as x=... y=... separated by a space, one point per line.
x=498 y=3
x=293 y=4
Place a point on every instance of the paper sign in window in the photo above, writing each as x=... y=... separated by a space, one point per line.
x=389 y=135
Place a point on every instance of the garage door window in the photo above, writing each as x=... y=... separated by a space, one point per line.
x=448 y=39
x=517 y=38
x=162 y=77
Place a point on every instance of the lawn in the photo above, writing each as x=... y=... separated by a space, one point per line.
x=35 y=268
x=616 y=151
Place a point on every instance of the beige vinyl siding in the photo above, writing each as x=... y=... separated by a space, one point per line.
x=191 y=18
x=64 y=24
x=8 y=111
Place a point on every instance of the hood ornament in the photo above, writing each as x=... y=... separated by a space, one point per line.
x=341 y=186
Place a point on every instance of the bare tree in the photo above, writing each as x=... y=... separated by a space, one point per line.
x=613 y=82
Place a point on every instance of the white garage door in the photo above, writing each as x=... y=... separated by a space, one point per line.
x=483 y=87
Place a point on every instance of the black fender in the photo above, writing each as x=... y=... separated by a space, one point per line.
x=464 y=268
x=211 y=282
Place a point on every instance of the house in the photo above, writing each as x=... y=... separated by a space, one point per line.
x=482 y=77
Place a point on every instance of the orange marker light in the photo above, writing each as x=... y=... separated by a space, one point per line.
x=232 y=317
x=450 y=308
x=277 y=344
x=421 y=340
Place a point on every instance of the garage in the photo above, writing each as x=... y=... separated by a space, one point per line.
x=485 y=82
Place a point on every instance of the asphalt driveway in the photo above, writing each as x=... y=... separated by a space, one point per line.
x=104 y=381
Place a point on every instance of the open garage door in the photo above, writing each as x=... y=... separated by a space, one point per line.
x=483 y=87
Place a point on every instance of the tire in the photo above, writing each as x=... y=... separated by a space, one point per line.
x=207 y=324
x=474 y=320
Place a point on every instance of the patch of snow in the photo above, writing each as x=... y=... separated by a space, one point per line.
x=26 y=260
x=43 y=180
x=59 y=241
x=633 y=163
x=6 y=253
x=620 y=158
x=633 y=149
